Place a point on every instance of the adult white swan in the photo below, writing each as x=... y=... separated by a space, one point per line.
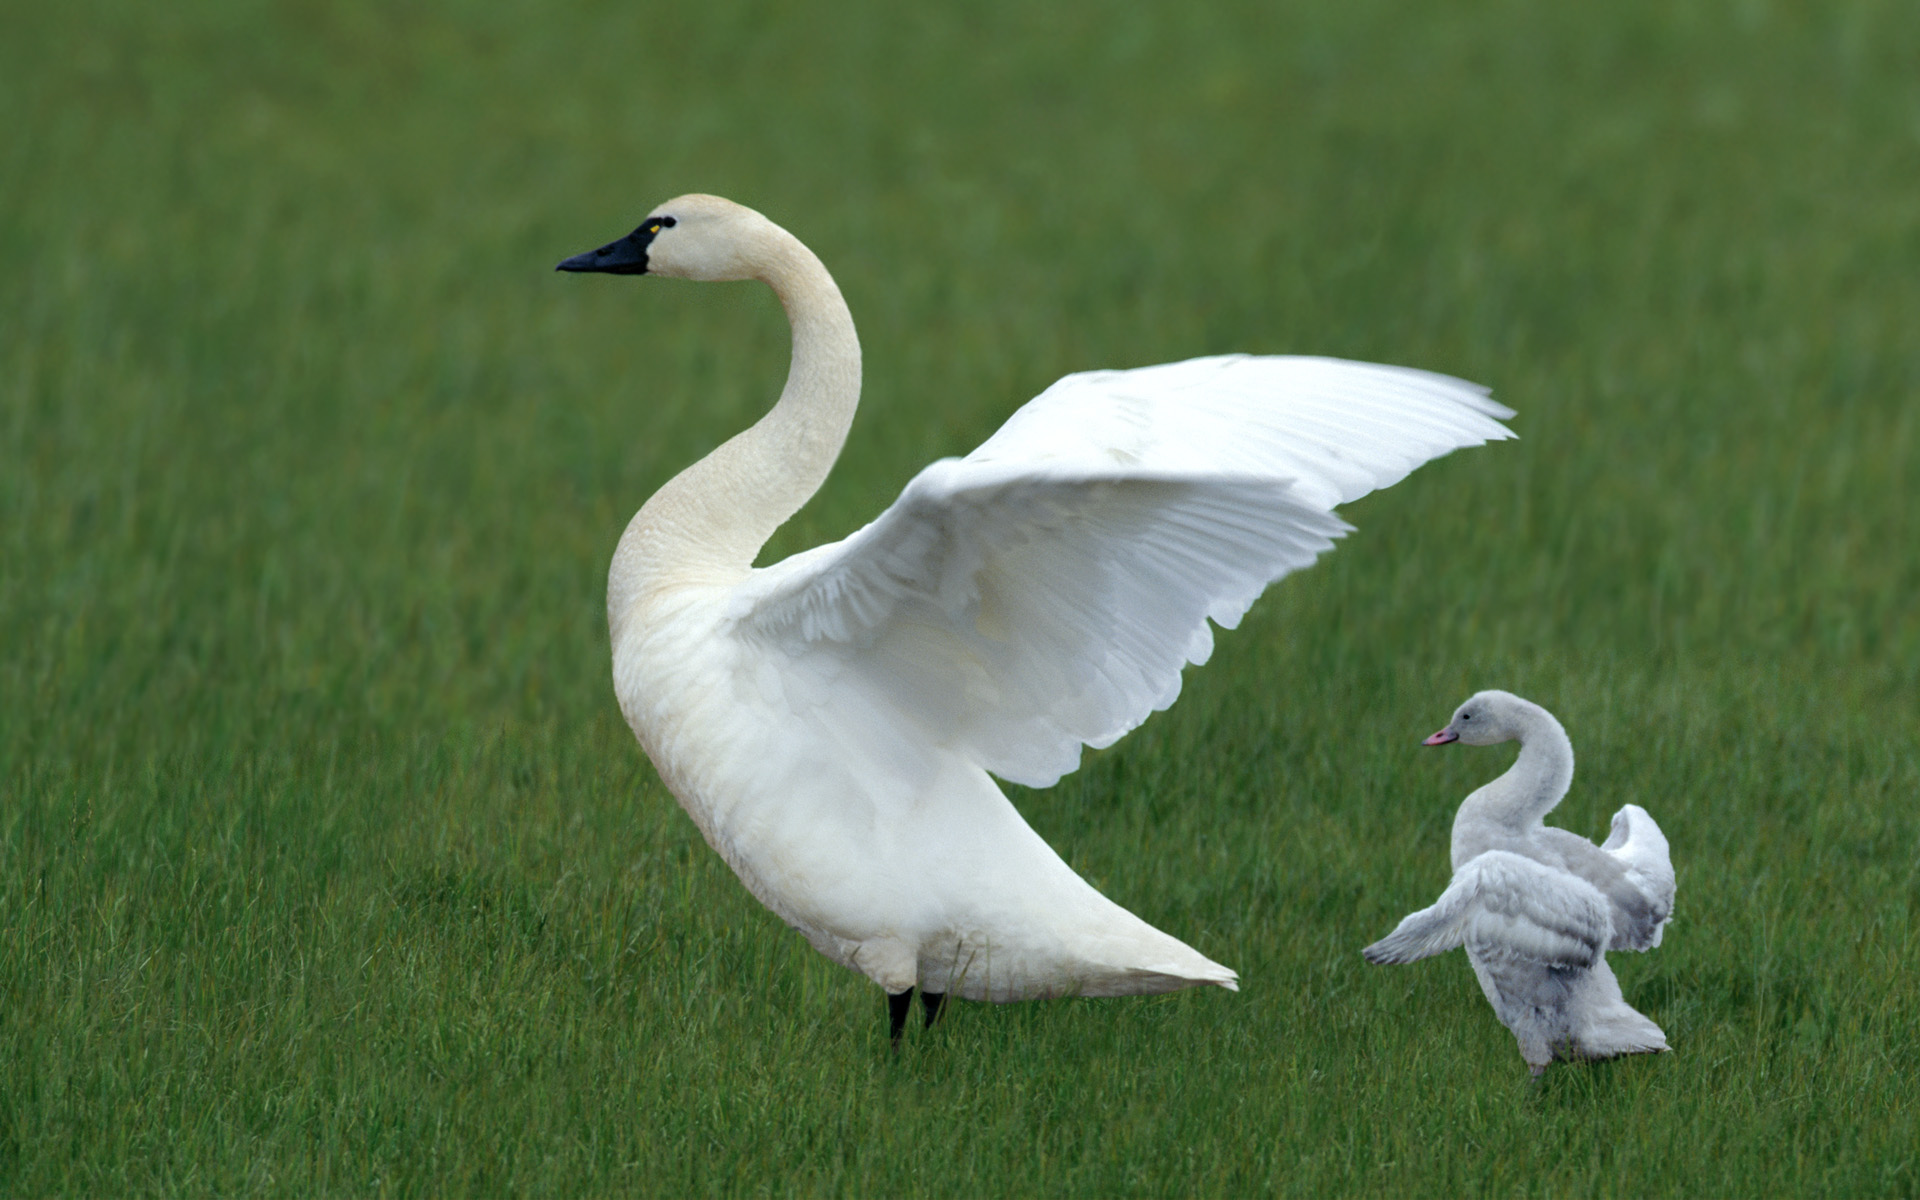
x=1537 y=907
x=829 y=722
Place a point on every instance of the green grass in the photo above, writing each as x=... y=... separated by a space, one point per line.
x=327 y=865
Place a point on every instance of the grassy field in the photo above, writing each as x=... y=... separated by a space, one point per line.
x=328 y=866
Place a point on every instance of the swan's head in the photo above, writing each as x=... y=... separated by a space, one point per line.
x=1486 y=719
x=691 y=237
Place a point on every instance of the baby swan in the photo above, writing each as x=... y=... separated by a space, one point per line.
x=830 y=722
x=1538 y=908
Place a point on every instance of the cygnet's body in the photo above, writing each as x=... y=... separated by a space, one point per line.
x=829 y=722
x=1537 y=907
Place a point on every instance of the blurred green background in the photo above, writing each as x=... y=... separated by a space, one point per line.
x=327 y=864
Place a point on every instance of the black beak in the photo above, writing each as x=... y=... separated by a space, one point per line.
x=628 y=256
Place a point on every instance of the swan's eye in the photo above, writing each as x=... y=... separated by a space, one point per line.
x=1466 y=716
x=669 y=222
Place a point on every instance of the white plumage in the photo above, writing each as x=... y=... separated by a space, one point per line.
x=830 y=721
x=1538 y=908
x=1045 y=591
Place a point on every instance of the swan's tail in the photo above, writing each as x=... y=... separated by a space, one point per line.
x=1610 y=1026
x=1142 y=962
x=1627 y=1031
x=1168 y=977
x=1129 y=957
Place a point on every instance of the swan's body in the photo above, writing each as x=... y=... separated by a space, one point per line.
x=1538 y=908
x=829 y=722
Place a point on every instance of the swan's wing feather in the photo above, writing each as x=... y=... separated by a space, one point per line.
x=1511 y=903
x=1016 y=616
x=1631 y=870
x=1638 y=844
x=1044 y=592
x=1337 y=429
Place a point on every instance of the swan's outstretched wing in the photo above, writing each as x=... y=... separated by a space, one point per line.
x=1046 y=590
x=1509 y=905
x=1636 y=841
x=1631 y=870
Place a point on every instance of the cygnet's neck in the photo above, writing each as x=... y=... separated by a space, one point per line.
x=1519 y=800
x=707 y=524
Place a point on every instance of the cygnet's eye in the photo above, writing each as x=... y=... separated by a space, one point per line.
x=1466 y=716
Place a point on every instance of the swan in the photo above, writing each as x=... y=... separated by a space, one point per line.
x=832 y=722
x=1537 y=907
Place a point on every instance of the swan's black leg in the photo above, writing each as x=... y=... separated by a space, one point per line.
x=934 y=1003
x=899 y=1004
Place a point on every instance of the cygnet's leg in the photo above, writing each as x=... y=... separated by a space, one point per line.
x=899 y=1004
x=934 y=1003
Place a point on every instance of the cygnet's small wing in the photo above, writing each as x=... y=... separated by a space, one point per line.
x=1639 y=845
x=1637 y=911
x=1511 y=905
x=1045 y=591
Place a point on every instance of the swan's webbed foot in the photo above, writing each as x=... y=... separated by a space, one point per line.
x=899 y=1004
x=935 y=1003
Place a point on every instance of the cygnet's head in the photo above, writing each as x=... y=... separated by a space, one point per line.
x=1485 y=719
x=690 y=237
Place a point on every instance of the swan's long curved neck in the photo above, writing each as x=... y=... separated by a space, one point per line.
x=707 y=524
x=1532 y=786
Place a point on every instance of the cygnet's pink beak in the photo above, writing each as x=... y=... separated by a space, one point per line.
x=1442 y=738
